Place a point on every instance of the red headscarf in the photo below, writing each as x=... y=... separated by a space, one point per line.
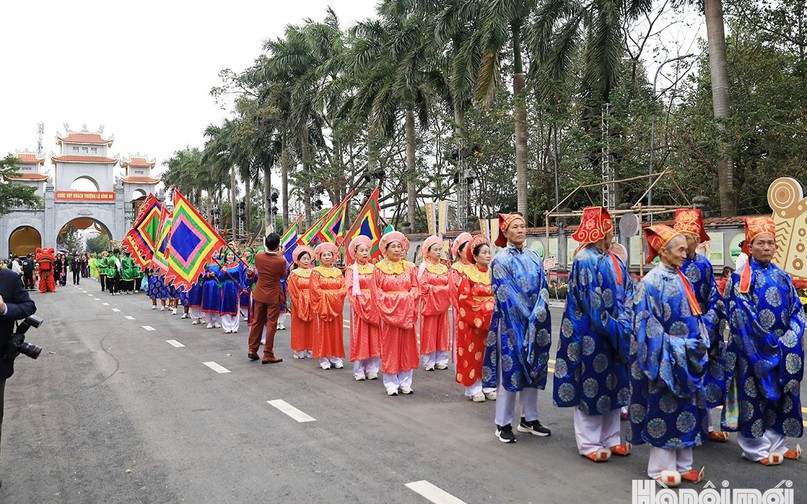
x=476 y=241
x=505 y=221
x=658 y=235
x=594 y=225
x=690 y=221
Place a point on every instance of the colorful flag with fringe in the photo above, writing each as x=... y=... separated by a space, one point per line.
x=141 y=240
x=289 y=239
x=159 y=260
x=192 y=241
x=310 y=236
x=331 y=229
x=366 y=224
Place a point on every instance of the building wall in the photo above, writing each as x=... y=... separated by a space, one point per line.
x=17 y=219
x=66 y=173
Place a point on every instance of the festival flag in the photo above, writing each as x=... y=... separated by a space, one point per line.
x=366 y=224
x=289 y=239
x=161 y=251
x=192 y=241
x=431 y=217
x=310 y=235
x=331 y=229
x=141 y=240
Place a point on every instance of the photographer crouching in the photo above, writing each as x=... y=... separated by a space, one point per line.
x=15 y=304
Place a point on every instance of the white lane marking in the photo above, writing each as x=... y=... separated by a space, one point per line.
x=105 y=304
x=291 y=411
x=97 y=299
x=128 y=317
x=433 y=493
x=174 y=343
x=116 y=310
x=216 y=367
x=148 y=328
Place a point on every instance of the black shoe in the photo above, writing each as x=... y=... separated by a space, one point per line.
x=505 y=434
x=535 y=428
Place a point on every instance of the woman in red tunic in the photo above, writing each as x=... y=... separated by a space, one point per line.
x=435 y=344
x=365 y=342
x=302 y=318
x=328 y=300
x=475 y=306
x=455 y=274
x=395 y=293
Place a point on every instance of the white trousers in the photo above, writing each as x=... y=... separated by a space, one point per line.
x=593 y=432
x=281 y=320
x=476 y=388
x=759 y=448
x=196 y=312
x=392 y=382
x=668 y=459
x=230 y=322
x=364 y=367
x=326 y=362
x=430 y=360
x=212 y=318
x=506 y=404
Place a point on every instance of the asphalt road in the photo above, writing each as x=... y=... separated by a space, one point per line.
x=112 y=413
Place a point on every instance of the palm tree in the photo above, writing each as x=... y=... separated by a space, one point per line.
x=396 y=58
x=718 y=68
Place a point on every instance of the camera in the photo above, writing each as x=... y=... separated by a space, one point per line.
x=16 y=344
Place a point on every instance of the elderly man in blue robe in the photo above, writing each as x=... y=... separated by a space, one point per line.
x=763 y=401
x=698 y=270
x=517 y=348
x=668 y=363
x=591 y=363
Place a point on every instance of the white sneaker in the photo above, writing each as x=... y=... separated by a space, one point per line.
x=339 y=366
x=478 y=397
x=234 y=331
x=184 y=316
x=226 y=331
x=392 y=392
x=281 y=327
x=210 y=326
x=407 y=390
x=174 y=311
x=491 y=396
x=429 y=368
x=195 y=321
x=360 y=377
x=162 y=308
x=153 y=307
x=372 y=376
x=441 y=366
x=325 y=366
x=217 y=325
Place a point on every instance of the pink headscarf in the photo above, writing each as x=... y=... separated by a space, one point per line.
x=326 y=247
x=424 y=252
x=295 y=256
x=354 y=244
x=351 y=251
x=394 y=236
x=458 y=241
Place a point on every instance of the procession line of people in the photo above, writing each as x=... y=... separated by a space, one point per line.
x=668 y=350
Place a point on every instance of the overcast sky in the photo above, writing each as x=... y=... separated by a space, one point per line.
x=144 y=69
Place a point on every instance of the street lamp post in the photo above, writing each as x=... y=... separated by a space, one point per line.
x=653 y=126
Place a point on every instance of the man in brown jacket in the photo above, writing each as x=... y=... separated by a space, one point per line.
x=270 y=267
